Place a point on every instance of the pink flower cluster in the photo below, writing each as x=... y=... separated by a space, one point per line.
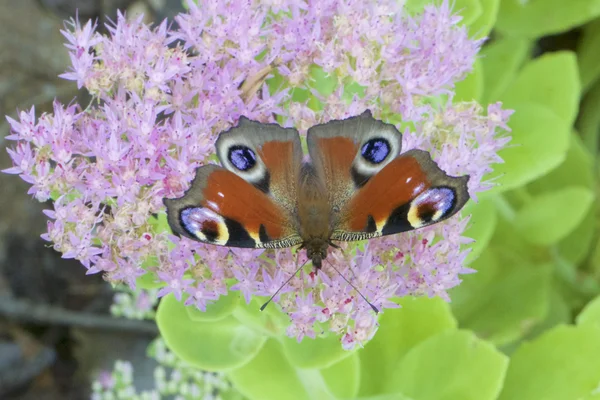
x=162 y=95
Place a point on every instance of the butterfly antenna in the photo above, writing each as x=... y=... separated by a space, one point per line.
x=354 y=287
x=282 y=286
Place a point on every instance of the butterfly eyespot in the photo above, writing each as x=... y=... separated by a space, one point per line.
x=242 y=157
x=431 y=206
x=204 y=224
x=376 y=150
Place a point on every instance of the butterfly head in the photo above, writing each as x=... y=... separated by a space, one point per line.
x=316 y=250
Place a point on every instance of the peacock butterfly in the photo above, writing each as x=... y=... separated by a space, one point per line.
x=357 y=185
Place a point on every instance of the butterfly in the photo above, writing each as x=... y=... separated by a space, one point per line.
x=356 y=185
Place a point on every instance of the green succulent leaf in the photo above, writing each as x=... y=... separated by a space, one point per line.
x=561 y=364
x=482 y=25
x=389 y=396
x=504 y=300
x=551 y=216
x=588 y=122
x=270 y=376
x=576 y=246
x=271 y=321
x=453 y=365
x=481 y=226
x=321 y=352
x=576 y=170
x=343 y=377
x=469 y=10
x=471 y=88
x=535 y=18
x=501 y=60
x=590 y=315
x=551 y=80
x=400 y=330
x=149 y=281
x=559 y=313
x=464 y=296
x=217 y=310
x=540 y=140
x=211 y=346
x=588 y=54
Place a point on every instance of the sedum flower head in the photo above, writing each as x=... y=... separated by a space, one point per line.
x=162 y=95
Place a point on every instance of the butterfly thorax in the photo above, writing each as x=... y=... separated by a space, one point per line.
x=313 y=216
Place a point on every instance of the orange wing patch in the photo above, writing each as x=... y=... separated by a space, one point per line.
x=232 y=197
x=398 y=183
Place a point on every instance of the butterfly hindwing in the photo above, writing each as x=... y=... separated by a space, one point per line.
x=221 y=208
x=408 y=193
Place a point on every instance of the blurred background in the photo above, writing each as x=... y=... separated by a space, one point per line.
x=56 y=332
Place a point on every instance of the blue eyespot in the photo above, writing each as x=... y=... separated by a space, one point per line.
x=434 y=204
x=375 y=150
x=242 y=157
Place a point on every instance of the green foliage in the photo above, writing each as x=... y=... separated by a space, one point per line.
x=211 y=346
x=561 y=364
x=401 y=329
x=462 y=366
x=525 y=159
x=540 y=223
x=535 y=18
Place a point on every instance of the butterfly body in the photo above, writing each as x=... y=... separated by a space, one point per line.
x=356 y=185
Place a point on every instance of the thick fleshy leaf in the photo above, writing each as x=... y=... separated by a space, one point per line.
x=469 y=10
x=590 y=315
x=505 y=299
x=149 y=281
x=559 y=313
x=343 y=377
x=321 y=352
x=550 y=217
x=453 y=365
x=552 y=81
x=389 y=396
x=217 y=310
x=576 y=170
x=270 y=376
x=535 y=18
x=482 y=25
x=471 y=88
x=540 y=140
x=211 y=346
x=576 y=246
x=501 y=60
x=505 y=235
x=588 y=122
x=400 y=330
x=481 y=226
x=561 y=364
x=464 y=297
x=588 y=54
x=415 y=6
x=271 y=321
